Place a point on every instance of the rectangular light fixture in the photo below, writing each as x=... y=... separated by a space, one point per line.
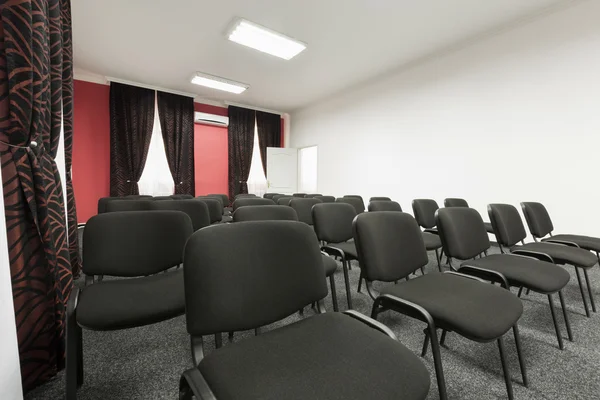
x=263 y=39
x=215 y=82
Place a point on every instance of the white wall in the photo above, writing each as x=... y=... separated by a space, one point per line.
x=10 y=370
x=511 y=118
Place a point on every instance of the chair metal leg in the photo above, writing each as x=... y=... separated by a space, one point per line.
x=422 y=271
x=437 y=258
x=425 y=343
x=520 y=292
x=347 y=282
x=443 y=339
x=566 y=315
x=349 y=265
x=256 y=331
x=585 y=305
x=505 y=369
x=556 y=328
x=218 y=341
x=527 y=292
x=73 y=358
x=333 y=293
x=79 y=357
x=520 y=355
x=230 y=336
x=301 y=312
x=587 y=282
x=360 y=279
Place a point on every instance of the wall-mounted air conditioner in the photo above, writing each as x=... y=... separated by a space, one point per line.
x=210 y=119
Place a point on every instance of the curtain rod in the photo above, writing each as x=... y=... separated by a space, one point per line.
x=131 y=83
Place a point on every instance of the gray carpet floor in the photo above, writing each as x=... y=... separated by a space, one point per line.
x=145 y=363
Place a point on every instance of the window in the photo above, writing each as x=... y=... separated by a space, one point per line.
x=156 y=179
x=307 y=169
x=257 y=181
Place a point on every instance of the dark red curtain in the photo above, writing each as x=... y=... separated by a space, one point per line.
x=131 y=122
x=176 y=115
x=34 y=43
x=269 y=133
x=240 y=134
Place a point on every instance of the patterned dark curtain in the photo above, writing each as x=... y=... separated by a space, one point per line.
x=34 y=39
x=131 y=122
x=176 y=115
x=269 y=133
x=240 y=134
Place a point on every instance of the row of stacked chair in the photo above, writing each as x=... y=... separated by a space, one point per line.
x=278 y=259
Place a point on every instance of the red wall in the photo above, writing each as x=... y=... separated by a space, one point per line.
x=91 y=147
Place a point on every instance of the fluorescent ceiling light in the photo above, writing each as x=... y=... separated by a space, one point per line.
x=215 y=82
x=265 y=40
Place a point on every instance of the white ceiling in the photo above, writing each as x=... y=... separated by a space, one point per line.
x=163 y=42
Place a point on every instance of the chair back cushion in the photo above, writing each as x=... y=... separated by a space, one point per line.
x=312 y=195
x=462 y=232
x=269 y=195
x=213 y=197
x=303 y=208
x=381 y=198
x=251 y=201
x=389 y=244
x=507 y=224
x=326 y=199
x=134 y=243
x=264 y=213
x=455 y=202
x=538 y=219
x=424 y=211
x=356 y=202
x=384 y=205
x=275 y=270
x=129 y=205
x=215 y=209
x=182 y=196
x=224 y=198
x=299 y=195
x=285 y=200
x=333 y=221
x=197 y=210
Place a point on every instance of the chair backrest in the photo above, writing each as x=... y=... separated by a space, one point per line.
x=129 y=205
x=384 y=205
x=251 y=201
x=218 y=198
x=355 y=202
x=455 y=202
x=264 y=213
x=389 y=244
x=243 y=195
x=303 y=208
x=538 y=219
x=298 y=194
x=424 y=210
x=162 y=198
x=269 y=195
x=326 y=199
x=224 y=198
x=278 y=196
x=134 y=243
x=102 y=202
x=507 y=224
x=333 y=221
x=312 y=195
x=380 y=199
x=197 y=210
x=182 y=196
x=277 y=263
x=462 y=232
x=215 y=209
x=285 y=201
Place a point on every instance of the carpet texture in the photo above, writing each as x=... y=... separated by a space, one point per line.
x=146 y=363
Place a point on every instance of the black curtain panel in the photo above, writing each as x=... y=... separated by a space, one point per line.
x=131 y=122
x=240 y=134
x=176 y=115
x=35 y=104
x=269 y=133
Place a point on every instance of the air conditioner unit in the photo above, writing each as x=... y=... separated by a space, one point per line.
x=210 y=119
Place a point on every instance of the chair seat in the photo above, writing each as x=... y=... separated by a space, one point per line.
x=488 y=227
x=127 y=303
x=329 y=264
x=585 y=242
x=226 y=218
x=562 y=254
x=539 y=276
x=349 y=248
x=475 y=310
x=432 y=241
x=327 y=356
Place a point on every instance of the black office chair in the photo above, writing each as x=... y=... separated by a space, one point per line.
x=224 y=198
x=540 y=225
x=135 y=245
x=379 y=199
x=269 y=195
x=197 y=210
x=510 y=231
x=390 y=248
x=162 y=198
x=464 y=237
x=298 y=194
x=456 y=202
x=319 y=357
x=303 y=208
x=118 y=205
x=181 y=196
x=312 y=195
x=245 y=195
x=333 y=226
x=355 y=202
x=215 y=209
x=285 y=200
x=251 y=201
x=103 y=201
x=384 y=205
x=326 y=199
x=278 y=196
